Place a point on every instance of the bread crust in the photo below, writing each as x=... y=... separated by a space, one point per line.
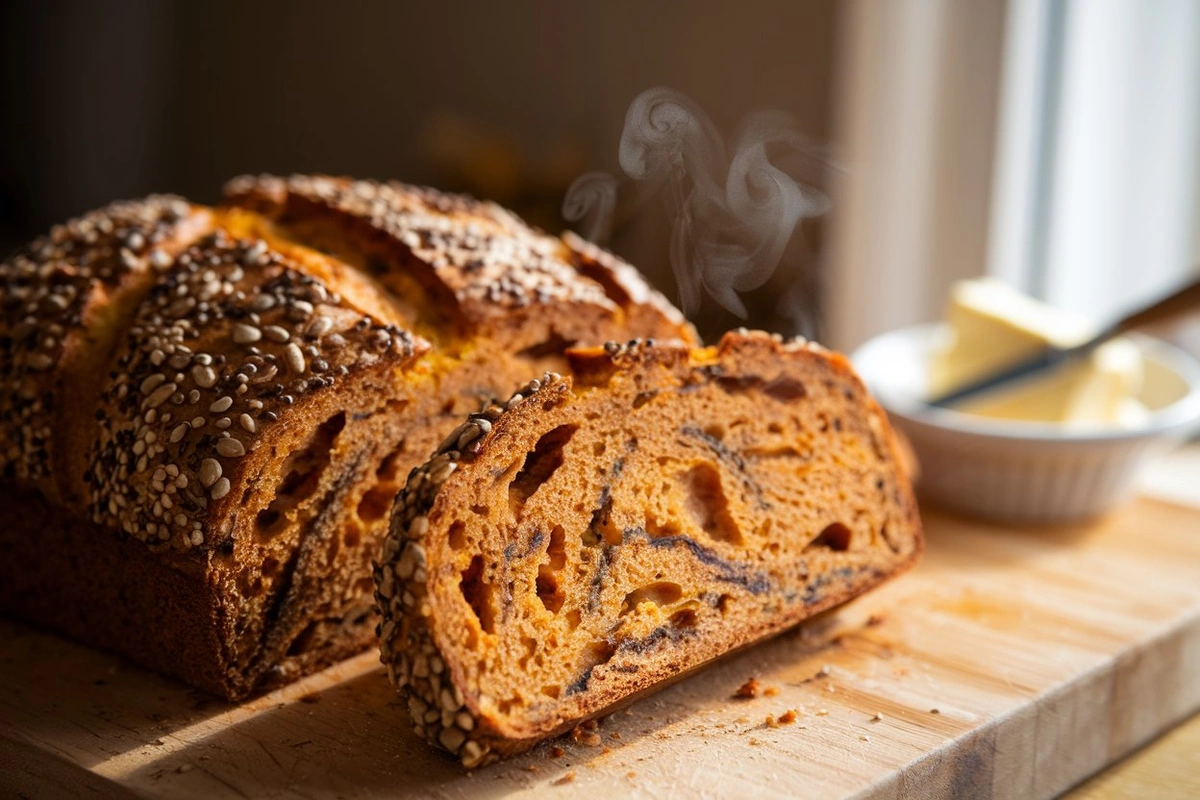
x=238 y=392
x=451 y=704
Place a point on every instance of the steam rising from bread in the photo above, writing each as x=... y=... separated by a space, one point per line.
x=592 y=200
x=734 y=208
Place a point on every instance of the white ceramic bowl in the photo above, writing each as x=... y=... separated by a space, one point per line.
x=1026 y=471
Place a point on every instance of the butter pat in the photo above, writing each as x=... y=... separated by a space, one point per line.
x=993 y=326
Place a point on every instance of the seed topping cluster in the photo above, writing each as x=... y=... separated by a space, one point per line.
x=407 y=649
x=230 y=335
x=47 y=289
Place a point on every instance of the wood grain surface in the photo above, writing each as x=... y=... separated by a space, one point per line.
x=1010 y=664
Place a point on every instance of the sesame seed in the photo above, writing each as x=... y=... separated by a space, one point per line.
x=152 y=382
x=230 y=448
x=204 y=376
x=219 y=489
x=276 y=333
x=245 y=334
x=255 y=253
x=179 y=432
x=221 y=405
x=452 y=739
x=319 y=327
x=160 y=395
x=247 y=422
x=223 y=423
x=294 y=358
x=300 y=310
x=210 y=471
x=159 y=259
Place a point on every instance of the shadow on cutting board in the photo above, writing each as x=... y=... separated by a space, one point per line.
x=343 y=732
x=355 y=738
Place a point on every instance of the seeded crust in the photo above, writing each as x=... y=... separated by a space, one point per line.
x=601 y=535
x=229 y=399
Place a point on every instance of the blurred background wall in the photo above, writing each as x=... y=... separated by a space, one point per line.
x=510 y=101
x=1055 y=143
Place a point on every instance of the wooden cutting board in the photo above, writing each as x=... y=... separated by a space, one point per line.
x=1011 y=663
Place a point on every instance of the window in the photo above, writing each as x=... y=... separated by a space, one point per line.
x=1055 y=144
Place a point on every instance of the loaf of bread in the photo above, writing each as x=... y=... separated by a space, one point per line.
x=206 y=413
x=600 y=535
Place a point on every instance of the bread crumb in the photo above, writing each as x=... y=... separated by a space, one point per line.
x=823 y=671
x=615 y=735
x=788 y=717
x=770 y=722
x=754 y=742
x=585 y=732
x=770 y=691
x=934 y=711
x=557 y=752
x=567 y=778
x=531 y=768
x=183 y=768
x=864 y=738
x=875 y=620
x=742 y=720
x=747 y=690
x=822 y=713
x=606 y=751
x=877 y=718
x=631 y=774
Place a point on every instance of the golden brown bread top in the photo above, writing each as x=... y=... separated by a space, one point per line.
x=473 y=256
x=145 y=347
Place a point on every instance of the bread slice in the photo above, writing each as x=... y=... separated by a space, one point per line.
x=598 y=536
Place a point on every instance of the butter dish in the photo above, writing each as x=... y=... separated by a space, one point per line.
x=1018 y=470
